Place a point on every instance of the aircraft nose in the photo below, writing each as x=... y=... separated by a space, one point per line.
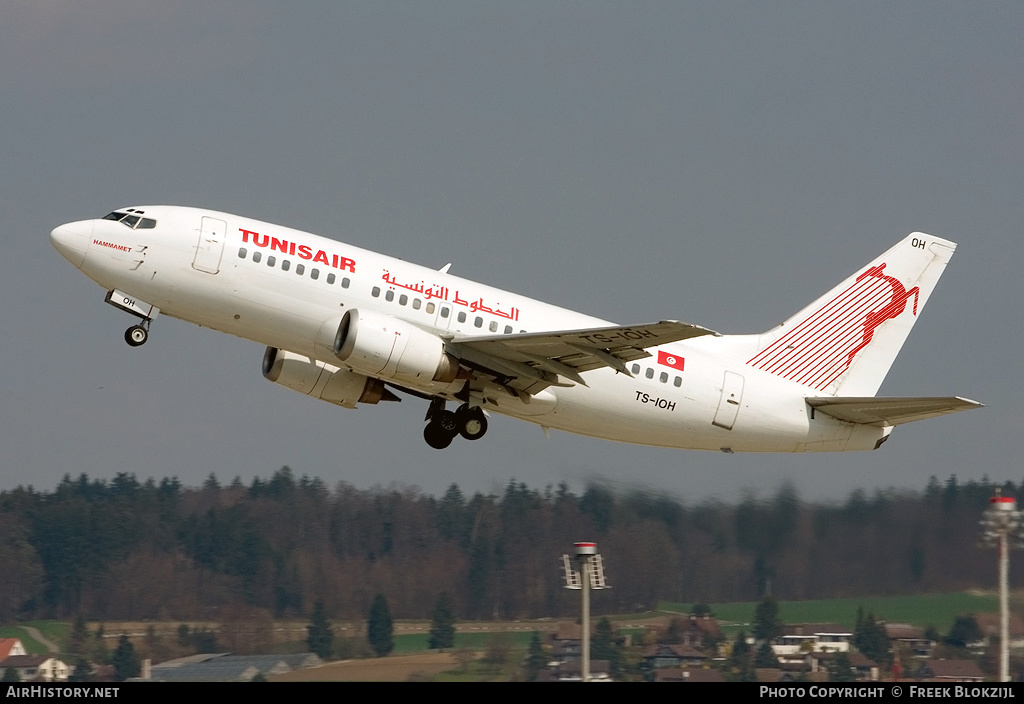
x=71 y=240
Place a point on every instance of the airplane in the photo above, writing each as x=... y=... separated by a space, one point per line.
x=349 y=326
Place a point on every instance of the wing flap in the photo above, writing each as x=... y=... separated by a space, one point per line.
x=884 y=412
x=550 y=357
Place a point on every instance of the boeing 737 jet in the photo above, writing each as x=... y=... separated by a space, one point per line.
x=349 y=326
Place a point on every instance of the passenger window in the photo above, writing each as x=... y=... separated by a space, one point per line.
x=314 y=274
x=508 y=329
x=462 y=316
x=286 y=264
x=493 y=327
x=241 y=252
x=416 y=303
x=403 y=299
x=635 y=369
x=664 y=377
x=330 y=278
x=478 y=322
x=345 y=282
x=300 y=269
x=678 y=381
x=256 y=256
x=649 y=373
x=271 y=260
x=389 y=295
x=431 y=307
x=444 y=311
x=375 y=292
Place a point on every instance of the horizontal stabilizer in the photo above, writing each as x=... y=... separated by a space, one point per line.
x=884 y=412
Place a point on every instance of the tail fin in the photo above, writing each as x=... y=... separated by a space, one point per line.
x=847 y=340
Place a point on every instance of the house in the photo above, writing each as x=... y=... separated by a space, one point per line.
x=695 y=631
x=11 y=646
x=909 y=639
x=567 y=641
x=950 y=671
x=600 y=671
x=989 y=625
x=661 y=656
x=800 y=638
x=36 y=668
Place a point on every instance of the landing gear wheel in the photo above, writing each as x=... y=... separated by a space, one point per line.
x=441 y=430
x=472 y=422
x=442 y=425
x=136 y=335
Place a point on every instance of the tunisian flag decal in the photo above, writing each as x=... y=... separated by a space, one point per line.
x=670 y=360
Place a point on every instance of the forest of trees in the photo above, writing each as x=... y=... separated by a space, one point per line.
x=124 y=549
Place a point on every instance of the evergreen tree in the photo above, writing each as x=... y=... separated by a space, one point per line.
x=870 y=639
x=79 y=640
x=380 y=629
x=125 y=661
x=82 y=671
x=535 y=658
x=442 y=626
x=740 y=659
x=766 y=656
x=321 y=637
x=100 y=654
x=842 y=670
x=767 y=624
x=604 y=647
x=701 y=609
x=965 y=630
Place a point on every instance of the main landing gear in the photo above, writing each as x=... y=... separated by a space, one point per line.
x=443 y=425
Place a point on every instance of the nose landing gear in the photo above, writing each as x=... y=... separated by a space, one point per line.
x=137 y=334
x=443 y=425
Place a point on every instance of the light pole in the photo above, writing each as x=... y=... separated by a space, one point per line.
x=1002 y=523
x=590 y=576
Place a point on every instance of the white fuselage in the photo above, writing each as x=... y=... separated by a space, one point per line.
x=288 y=289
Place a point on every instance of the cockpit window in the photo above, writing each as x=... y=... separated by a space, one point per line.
x=132 y=218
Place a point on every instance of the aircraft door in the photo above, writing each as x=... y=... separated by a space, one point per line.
x=729 y=404
x=210 y=246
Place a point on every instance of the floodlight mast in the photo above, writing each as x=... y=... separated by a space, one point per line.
x=590 y=576
x=1002 y=523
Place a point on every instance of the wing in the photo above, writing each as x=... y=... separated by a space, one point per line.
x=884 y=412
x=531 y=362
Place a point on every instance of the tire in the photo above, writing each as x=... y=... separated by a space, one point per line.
x=472 y=422
x=136 y=335
x=436 y=436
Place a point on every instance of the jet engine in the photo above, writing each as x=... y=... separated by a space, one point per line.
x=382 y=345
x=323 y=381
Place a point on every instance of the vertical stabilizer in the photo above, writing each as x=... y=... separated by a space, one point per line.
x=845 y=342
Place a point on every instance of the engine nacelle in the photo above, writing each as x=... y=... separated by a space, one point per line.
x=323 y=381
x=381 y=345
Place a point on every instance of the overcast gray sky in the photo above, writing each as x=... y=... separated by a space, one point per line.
x=718 y=163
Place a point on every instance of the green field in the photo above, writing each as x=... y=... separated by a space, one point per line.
x=922 y=610
x=54 y=630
